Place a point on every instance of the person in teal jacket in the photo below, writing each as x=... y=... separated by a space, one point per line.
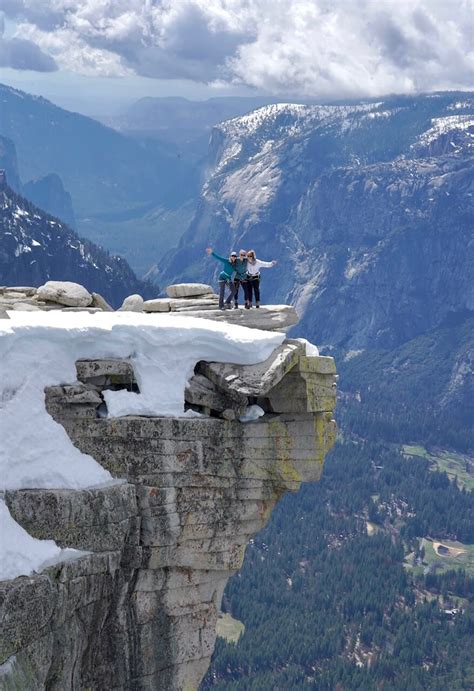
x=240 y=278
x=225 y=278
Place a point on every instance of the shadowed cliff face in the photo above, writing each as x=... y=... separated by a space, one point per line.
x=367 y=209
x=139 y=610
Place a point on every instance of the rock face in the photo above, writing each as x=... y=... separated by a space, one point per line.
x=361 y=205
x=48 y=193
x=138 y=611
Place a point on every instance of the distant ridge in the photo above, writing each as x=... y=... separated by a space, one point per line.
x=36 y=247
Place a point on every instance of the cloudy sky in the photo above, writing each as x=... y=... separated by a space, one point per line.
x=314 y=49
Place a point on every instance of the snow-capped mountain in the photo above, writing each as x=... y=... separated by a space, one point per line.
x=366 y=207
x=36 y=247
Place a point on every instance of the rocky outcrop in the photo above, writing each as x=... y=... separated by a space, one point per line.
x=138 y=609
x=69 y=296
x=48 y=193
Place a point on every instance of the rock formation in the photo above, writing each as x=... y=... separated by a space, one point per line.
x=137 y=609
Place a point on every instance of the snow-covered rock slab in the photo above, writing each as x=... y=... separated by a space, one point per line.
x=39 y=350
x=65 y=293
x=186 y=290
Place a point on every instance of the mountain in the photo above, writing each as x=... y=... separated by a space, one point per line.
x=9 y=163
x=36 y=247
x=49 y=194
x=129 y=195
x=422 y=390
x=367 y=208
x=101 y=168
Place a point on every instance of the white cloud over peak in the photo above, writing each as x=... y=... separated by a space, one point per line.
x=310 y=48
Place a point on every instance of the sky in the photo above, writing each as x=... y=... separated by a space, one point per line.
x=99 y=54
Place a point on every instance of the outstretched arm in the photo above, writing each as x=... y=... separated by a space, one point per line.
x=265 y=265
x=211 y=252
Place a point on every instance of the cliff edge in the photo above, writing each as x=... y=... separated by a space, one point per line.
x=136 y=607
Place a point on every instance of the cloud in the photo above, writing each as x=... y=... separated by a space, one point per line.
x=309 y=48
x=21 y=54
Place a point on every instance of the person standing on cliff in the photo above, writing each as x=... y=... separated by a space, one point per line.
x=225 y=277
x=253 y=277
x=240 y=278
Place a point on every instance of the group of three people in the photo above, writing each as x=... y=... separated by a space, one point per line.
x=240 y=270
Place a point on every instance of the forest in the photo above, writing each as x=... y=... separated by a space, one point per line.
x=328 y=606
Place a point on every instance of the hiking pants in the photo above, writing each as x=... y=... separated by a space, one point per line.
x=222 y=285
x=237 y=283
x=253 y=287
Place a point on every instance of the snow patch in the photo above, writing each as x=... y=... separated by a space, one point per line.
x=252 y=413
x=21 y=554
x=444 y=125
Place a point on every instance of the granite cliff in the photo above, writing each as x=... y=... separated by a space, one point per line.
x=367 y=208
x=137 y=608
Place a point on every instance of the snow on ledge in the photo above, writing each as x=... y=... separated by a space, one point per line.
x=21 y=554
x=39 y=349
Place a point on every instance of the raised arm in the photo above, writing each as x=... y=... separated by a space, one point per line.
x=211 y=252
x=265 y=265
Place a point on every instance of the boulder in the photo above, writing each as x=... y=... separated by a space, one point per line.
x=254 y=380
x=133 y=303
x=187 y=290
x=65 y=293
x=157 y=305
x=101 y=303
x=203 y=392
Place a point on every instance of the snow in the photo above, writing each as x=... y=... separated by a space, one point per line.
x=39 y=349
x=310 y=349
x=444 y=125
x=252 y=413
x=21 y=554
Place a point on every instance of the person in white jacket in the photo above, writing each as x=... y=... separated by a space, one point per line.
x=253 y=274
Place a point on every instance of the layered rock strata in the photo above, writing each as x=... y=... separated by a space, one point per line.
x=137 y=609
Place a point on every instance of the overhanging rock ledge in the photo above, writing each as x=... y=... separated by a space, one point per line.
x=139 y=611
